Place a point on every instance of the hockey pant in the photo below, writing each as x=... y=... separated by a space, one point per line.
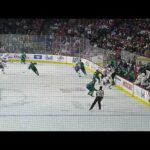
x=35 y=71
x=23 y=61
x=97 y=99
x=91 y=91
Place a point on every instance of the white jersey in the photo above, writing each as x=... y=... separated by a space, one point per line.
x=104 y=80
x=4 y=59
x=107 y=82
x=107 y=78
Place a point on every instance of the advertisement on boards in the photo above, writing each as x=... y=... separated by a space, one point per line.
x=75 y=59
x=37 y=56
x=48 y=57
x=127 y=85
x=17 y=56
x=138 y=91
x=60 y=58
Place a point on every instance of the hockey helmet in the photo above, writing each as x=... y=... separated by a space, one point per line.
x=100 y=88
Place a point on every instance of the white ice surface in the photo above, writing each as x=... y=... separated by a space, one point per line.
x=57 y=100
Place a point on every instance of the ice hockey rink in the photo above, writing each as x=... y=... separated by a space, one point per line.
x=57 y=100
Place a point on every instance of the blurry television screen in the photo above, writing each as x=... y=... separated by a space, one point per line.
x=74 y=74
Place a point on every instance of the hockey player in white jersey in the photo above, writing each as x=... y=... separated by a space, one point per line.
x=4 y=59
x=107 y=81
x=77 y=68
x=2 y=65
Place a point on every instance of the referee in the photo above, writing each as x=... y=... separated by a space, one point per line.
x=99 y=97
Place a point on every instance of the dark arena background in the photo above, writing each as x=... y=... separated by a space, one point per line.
x=55 y=97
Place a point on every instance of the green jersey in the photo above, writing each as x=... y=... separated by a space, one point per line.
x=32 y=66
x=23 y=56
x=130 y=76
x=81 y=65
x=96 y=75
x=91 y=85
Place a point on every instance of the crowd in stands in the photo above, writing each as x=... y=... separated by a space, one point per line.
x=114 y=34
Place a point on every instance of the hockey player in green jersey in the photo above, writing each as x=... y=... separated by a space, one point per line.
x=91 y=88
x=23 y=58
x=82 y=67
x=34 y=69
x=96 y=76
